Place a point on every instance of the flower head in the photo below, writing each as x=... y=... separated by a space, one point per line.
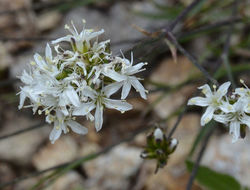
x=234 y=116
x=159 y=147
x=233 y=111
x=78 y=81
x=212 y=100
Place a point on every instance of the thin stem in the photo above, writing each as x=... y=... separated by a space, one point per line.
x=183 y=14
x=198 y=160
x=36 y=126
x=180 y=116
x=74 y=163
x=209 y=27
x=225 y=53
x=171 y=37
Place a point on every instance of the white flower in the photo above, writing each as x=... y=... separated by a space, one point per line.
x=78 y=39
x=99 y=101
x=212 y=100
x=244 y=94
x=61 y=123
x=44 y=66
x=99 y=49
x=78 y=81
x=125 y=78
x=234 y=116
x=68 y=96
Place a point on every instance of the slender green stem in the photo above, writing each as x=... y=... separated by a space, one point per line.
x=225 y=53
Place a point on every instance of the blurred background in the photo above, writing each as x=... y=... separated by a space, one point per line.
x=212 y=30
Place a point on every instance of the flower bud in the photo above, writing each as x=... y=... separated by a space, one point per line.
x=173 y=145
x=159 y=148
x=158 y=134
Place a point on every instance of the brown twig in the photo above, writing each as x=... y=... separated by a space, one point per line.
x=183 y=14
x=193 y=60
x=36 y=126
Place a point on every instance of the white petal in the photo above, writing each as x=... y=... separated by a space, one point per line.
x=90 y=117
x=206 y=90
x=207 y=116
x=117 y=104
x=246 y=120
x=125 y=89
x=240 y=105
x=98 y=117
x=64 y=127
x=55 y=134
x=63 y=100
x=26 y=78
x=48 y=53
x=40 y=62
x=235 y=130
x=89 y=92
x=94 y=34
x=22 y=99
x=241 y=91
x=77 y=128
x=114 y=75
x=134 y=69
x=72 y=96
x=223 y=89
x=221 y=118
x=198 y=101
x=138 y=86
x=112 y=88
x=34 y=109
x=247 y=108
x=59 y=115
x=66 y=39
x=84 y=108
x=226 y=107
x=64 y=110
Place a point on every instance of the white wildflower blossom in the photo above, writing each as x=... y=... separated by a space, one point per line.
x=78 y=81
x=63 y=123
x=212 y=100
x=234 y=116
x=233 y=111
x=125 y=78
x=244 y=94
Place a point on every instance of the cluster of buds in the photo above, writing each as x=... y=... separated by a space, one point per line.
x=78 y=81
x=159 y=147
x=232 y=110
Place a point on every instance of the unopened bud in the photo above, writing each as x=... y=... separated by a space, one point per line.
x=158 y=134
x=173 y=144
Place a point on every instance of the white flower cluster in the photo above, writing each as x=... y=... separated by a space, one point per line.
x=78 y=81
x=233 y=111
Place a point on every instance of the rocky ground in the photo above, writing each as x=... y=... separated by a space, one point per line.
x=121 y=168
